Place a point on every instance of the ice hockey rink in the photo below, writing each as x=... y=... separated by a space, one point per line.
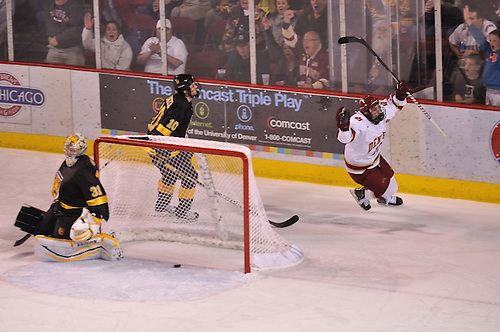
x=432 y=264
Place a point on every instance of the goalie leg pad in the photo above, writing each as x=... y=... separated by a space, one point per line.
x=111 y=248
x=28 y=219
x=62 y=250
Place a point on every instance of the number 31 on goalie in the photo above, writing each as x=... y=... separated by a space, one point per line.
x=95 y=191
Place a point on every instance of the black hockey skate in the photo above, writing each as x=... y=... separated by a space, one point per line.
x=394 y=200
x=186 y=216
x=167 y=209
x=359 y=196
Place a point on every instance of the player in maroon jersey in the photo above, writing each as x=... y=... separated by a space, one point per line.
x=363 y=134
x=173 y=119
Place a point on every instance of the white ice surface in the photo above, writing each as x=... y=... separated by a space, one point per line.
x=431 y=265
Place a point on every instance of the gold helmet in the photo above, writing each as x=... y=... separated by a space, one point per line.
x=75 y=146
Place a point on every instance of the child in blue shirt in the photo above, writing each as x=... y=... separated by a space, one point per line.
x=492 y=60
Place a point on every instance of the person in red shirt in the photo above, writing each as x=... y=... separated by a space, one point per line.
x=313 y=67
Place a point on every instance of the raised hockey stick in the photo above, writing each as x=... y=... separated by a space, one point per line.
x=290 y=221
x=354 y=39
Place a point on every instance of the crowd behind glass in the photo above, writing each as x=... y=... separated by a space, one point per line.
x=290 y=42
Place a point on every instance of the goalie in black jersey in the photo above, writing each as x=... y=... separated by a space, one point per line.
x=173 y=119
x=70 y=229
x=76 y=186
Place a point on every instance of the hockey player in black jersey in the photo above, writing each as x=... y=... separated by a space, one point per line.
x=173 y=119
x=71 y=228
x=76 y=186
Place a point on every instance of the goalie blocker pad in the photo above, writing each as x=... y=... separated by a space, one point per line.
x=61 y=250
x=28 y=218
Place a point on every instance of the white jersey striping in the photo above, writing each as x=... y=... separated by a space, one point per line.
x=364 y=138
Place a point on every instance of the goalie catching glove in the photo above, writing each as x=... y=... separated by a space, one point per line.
x=342 y=117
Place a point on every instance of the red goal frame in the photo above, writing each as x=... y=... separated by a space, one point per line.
x=137 y=141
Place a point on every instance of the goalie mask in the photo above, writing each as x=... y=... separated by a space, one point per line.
x=370 y=107
x=182 y=82
x=74 y=147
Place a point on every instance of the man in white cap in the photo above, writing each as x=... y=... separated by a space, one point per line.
x=150 y=54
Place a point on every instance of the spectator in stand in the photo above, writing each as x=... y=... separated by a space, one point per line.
x=152 y=8
x=492 y=54
x=314 y=18
x=177 y=53
x=238 y=65
x=195 y=9
x=285 y=57
x=116 y=53
x=489 y=8
x=218 y=12
x=469 y=88
x=64 y=21
x=313 y=65
x=287 y=68
x=274 y=21
x=379 y=79
x=451 y=17
x=238 y=24
x=267 y=6
x=461 y=41
x=123 y=12
x=3 y=28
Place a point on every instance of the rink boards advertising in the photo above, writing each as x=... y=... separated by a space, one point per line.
x=232 y=114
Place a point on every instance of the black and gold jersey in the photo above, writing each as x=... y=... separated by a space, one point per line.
x=173 y=117
x=79 y=186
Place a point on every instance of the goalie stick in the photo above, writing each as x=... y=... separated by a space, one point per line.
x=354 y=39
x=22 y=240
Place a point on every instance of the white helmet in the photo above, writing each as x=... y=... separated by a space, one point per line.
x=75 y=146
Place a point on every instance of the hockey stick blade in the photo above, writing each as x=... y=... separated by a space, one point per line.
x=22 y=240
x=292 y=220
x=354 y=39
x=349 y=39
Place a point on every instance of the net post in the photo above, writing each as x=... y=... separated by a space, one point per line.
x=246 y=213
x=96 y=151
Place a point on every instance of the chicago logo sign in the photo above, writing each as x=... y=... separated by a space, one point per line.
x=13 y=96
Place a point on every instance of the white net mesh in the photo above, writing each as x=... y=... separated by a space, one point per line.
x=189 y=191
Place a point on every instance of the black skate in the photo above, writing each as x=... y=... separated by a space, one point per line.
x=166 y=209
x=394 y=200
x=186 y=216
x=359 y=196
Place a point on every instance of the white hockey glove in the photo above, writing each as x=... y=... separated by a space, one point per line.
x=85 y=227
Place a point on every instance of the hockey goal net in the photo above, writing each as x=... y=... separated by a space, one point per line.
x=219 y=177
